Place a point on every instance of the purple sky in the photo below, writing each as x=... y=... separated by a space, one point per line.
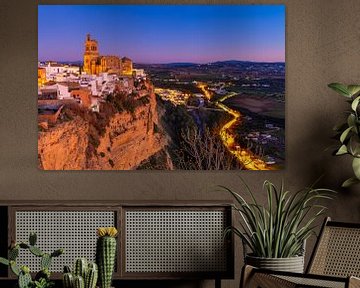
x=164 y=33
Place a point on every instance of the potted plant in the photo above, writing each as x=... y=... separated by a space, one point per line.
x=276 y=233
x=349 y=132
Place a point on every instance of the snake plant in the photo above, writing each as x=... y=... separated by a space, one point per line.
x=349 y=132
x=279 y=228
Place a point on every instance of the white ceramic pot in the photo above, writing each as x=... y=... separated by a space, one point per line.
x=291 y=264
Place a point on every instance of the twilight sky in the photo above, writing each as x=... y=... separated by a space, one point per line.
x=164 y=33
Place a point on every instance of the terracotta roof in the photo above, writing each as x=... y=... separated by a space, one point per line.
x=70 y=84
x=48 y=90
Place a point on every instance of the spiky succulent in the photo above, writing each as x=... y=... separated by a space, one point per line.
x=85 y=274
x=278 y=229
x=106 y=254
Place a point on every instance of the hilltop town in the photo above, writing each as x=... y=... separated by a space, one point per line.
x=87 y=85
x=89 y=115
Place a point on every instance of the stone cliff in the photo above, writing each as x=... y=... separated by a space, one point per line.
x=128 y=140
x=64 y=147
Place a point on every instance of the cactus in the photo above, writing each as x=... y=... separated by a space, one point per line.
x=91 y=276
x=57 y=252
x=32 y=239
x=43 y=274
x=36 y=251
x=106 y=254
x=42 y=278
x=45 y=261
x=80 y=268
x=14 y=268
x=90 y=272
x=68 y=280
x=13 y=253
x=24 y=280
x=67 y=269
x=24 y=245
x=79 y=282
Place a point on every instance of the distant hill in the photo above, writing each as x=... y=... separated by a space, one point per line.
x=75 y=63
x=181 y=64
x=231 y=62
x=218 y=63
x=186 y=64
x=238 y=62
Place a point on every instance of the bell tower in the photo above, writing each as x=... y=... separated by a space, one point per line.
x=91 y=53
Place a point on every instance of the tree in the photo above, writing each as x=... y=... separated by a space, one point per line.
x=204 y=150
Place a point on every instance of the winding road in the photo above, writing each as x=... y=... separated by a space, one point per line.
x=249 y=160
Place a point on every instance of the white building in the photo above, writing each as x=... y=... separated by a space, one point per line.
x=61 y=89
x=60 y=72
x=139 y=73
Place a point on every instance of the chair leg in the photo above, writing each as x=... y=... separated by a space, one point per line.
x=354 y=282
x=246 y=273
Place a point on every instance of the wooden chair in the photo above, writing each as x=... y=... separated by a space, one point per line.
x=335 y=262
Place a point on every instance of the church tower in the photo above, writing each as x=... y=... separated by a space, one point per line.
x=90 y=55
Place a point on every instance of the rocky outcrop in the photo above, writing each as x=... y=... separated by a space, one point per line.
x=129 y=139
x=64 y=146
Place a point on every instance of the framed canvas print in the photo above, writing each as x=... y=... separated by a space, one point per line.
x=165 y=87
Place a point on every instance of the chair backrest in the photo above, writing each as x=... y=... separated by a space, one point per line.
x=337 y=251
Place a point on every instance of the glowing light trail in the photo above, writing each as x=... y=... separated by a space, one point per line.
x=245 y=156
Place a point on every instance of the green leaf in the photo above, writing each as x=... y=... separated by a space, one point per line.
x=4 y=261
x=349 y=182
x=351 y=120
x=353 y=89
x=340 y=88
x=355 y=103
x=354 y=145
x=342 y=150
x=345 y=134
x=356 y=167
